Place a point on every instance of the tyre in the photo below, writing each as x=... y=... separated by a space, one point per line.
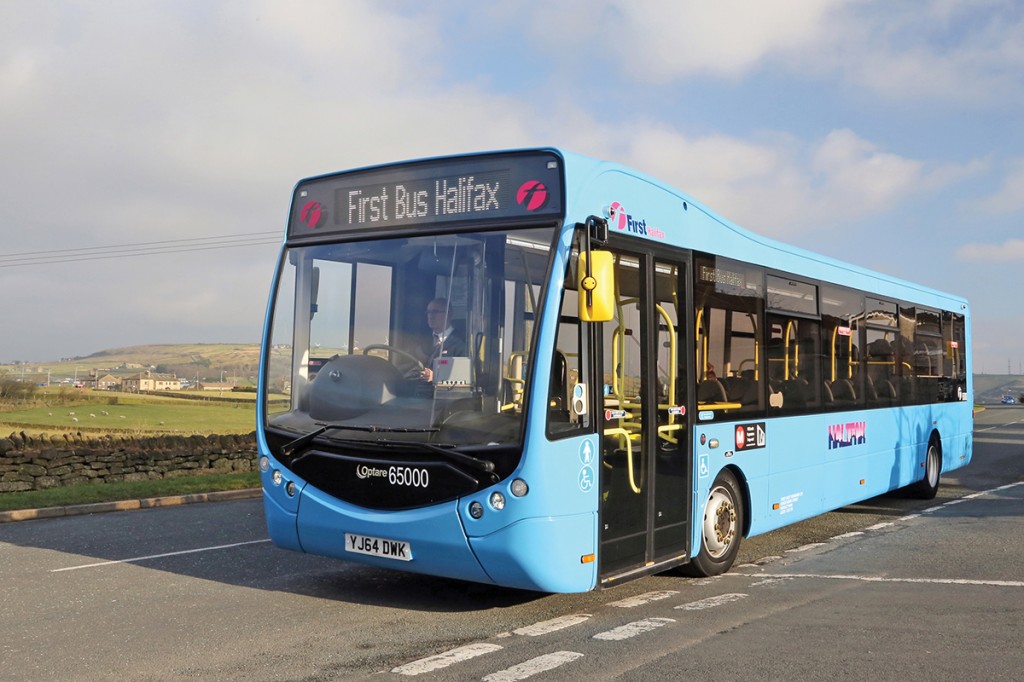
x=721 y=528
x=928 y=487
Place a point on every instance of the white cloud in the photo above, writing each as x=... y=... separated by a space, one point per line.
x=970 y=52
x=1012 y=250
x=1009 y=198
x=661 y=40
x=781 y=186
x=667 y=39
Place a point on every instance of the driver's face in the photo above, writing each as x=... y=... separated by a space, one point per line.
x=436 y=317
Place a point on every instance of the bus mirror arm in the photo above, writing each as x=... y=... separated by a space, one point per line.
x=595 y=230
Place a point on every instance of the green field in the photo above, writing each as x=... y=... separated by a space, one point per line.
x=93 y=412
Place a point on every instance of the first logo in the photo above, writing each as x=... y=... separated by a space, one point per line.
x=313 y=214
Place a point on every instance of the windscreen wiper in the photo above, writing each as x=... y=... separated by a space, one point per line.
x=485 y=465
x=302 y=441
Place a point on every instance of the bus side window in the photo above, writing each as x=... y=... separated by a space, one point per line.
x=841 y=313
x=729 y=317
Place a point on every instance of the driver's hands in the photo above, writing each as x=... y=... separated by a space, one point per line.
x=427 y=374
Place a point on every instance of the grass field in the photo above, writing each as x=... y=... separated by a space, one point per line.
x=92 y=412
x=110 y=492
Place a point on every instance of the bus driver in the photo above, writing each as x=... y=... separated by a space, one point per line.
x=445 y=341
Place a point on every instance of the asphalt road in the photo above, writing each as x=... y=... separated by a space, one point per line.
x=892 y=588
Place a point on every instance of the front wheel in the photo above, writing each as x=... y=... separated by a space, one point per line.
x=721 y=528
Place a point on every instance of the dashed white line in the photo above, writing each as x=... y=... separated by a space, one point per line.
x=712 y=602
x=451 y=657
x=645 y=598
x=633 y=629
x=158 y=556
x=844 y=536
x=807 y=547
x=881 y=579
x=553 y=625
x=533 y=666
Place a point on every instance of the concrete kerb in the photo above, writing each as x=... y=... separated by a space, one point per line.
x=127 y=505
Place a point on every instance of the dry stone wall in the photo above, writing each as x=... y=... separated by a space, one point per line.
x=45 y=461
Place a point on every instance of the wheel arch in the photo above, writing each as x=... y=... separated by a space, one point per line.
x=741 y=479
x=936 y=437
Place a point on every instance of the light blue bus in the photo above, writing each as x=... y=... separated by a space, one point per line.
x=539 y=370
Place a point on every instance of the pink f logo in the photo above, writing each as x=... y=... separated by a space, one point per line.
x=617 y=215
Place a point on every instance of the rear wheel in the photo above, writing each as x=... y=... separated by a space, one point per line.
x=928 y=487
x=721 y=528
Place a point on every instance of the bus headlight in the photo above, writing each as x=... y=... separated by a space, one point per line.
x=277 y=477
x=497 y=501
x=264 y=464
x=476 y=510
x=519 y=487
x=290 y=489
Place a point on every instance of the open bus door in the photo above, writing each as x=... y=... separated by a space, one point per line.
x=646 y=460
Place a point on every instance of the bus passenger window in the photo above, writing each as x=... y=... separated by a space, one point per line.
x=729 y=314
x=841 y=313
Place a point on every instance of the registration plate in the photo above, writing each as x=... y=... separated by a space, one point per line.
x=382 y=547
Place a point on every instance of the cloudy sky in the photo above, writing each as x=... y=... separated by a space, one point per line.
x=148 y=148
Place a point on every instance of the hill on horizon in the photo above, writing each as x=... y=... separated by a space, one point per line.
x=186 y=360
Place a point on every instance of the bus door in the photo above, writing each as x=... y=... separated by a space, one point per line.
x=645 y=459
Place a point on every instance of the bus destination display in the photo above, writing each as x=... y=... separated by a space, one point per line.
x=523 y=186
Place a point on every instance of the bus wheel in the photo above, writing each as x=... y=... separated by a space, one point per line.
x=721 y=528
x=928 y=487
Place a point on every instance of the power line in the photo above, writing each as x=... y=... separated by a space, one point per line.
x=168 y=246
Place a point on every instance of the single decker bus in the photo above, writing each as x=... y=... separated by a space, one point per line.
x=538 y=370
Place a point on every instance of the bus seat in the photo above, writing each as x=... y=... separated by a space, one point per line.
x=827 y=393
x=742 y=389
x=711 y=391
x=842 y=391
x=796 y=393
x=869 y=389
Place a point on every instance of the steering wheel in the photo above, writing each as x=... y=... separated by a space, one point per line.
x=413 y=373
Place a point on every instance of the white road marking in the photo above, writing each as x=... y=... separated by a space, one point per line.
x=552 y=625
x=844 y=536
x=807 y=547
x=158 y=556
x=645 y=598
x=451 y=657
x=533 y=666
x=633 y=629
x=712 y=602
x=880 y=579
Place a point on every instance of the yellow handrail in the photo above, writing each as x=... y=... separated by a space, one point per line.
x=627 y=439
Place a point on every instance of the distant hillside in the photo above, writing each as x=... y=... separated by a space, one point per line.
x=207 y=360
x=990 y=388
